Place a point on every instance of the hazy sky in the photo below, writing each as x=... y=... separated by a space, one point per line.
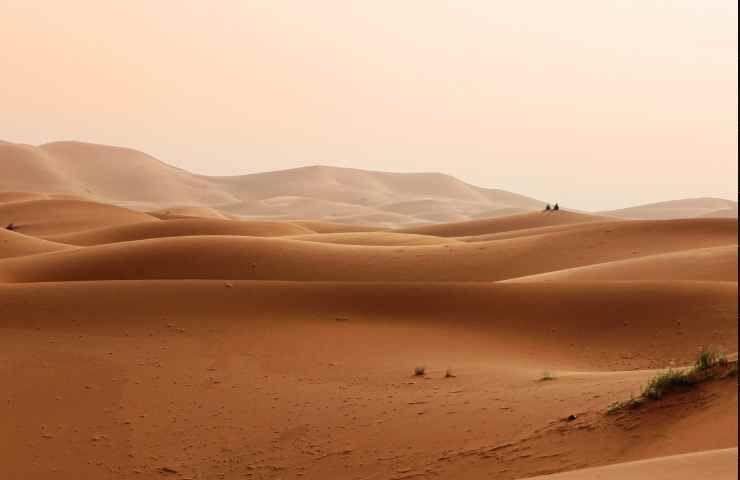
x=593 y=103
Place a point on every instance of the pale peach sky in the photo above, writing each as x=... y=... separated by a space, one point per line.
x=593 y=103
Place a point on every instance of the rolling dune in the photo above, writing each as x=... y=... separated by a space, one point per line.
x=322 y=383
x=684 y=208
x=13 y=244
x=317 y=192
x=387 y=239
x=506 y=223
x=179 y=344
x=253 y=258
x=57 y=216
x=710 y=264
x=716 y=464
x=179 y=228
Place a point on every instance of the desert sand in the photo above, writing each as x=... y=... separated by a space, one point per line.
x=336 y=195
x=149 y=330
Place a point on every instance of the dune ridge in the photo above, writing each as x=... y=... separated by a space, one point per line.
x=258 y=258
x=186 y=343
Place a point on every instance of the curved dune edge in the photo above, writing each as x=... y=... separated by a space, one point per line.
x=184 y=227
x=259 y=258
x=506 y=223
x=55 y=216
x=14 y=244
x=705 y=264
x=610 y=317
x=188 y=212
x=388 y=239
x=715 y=464
x=191 y=351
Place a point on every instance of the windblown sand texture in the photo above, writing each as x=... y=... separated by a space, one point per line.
x=149 y=330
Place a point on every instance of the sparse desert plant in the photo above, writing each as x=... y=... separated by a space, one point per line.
x=707 y=359
x=449 y=373
x=709 y=365
x=666 y=382
x=420 y=370
x=11 y=226
x=547 y=375
x=633 y=402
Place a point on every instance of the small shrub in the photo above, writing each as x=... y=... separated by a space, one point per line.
x=420 y=371
x=707 y=359
x=11 y=226
x=449 y=373
x=633 y=402
x=709 y=365
x=547 y=375
x=667 y=381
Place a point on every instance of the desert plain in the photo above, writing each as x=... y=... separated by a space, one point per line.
x=323 y=323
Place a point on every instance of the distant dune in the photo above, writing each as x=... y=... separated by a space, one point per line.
x=160 y=324
x=710 y=264
x=130 y=178
x=55 y=216
x=686 y=208
x=134 y=179
x=13 y=244
x=508 y=223
x=250 y=257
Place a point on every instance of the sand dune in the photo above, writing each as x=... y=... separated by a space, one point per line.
x=504 y=224
x=685 y=208
x=716 y=464
x=13 y=244
x=136 y=180
x=321 y=384
x=187 y=344
x=711 y=264
x=387 y=239
x=253 y=258
x=6 y=197
x=188 y=212
x=178 y=228
x=565 y=317
x=101 y=172
x=56 y=216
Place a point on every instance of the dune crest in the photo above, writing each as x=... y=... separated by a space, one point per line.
x=188 y=342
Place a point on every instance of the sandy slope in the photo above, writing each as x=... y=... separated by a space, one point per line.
x=209 y=379
x=137 y=180
x=715 y=464
x=504 y=224
x=134 y=179
x=232 y=257
x=180 y=228
x=187 y=212
x=387 y=239
x=715 y=263
x=14 y=244
x=684 y=208
x=285 y=349
x=57 y=216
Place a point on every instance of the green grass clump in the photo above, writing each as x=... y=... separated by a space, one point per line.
x=668 y=381
x=547 y=375
x=709 y=365
x=707 y=359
